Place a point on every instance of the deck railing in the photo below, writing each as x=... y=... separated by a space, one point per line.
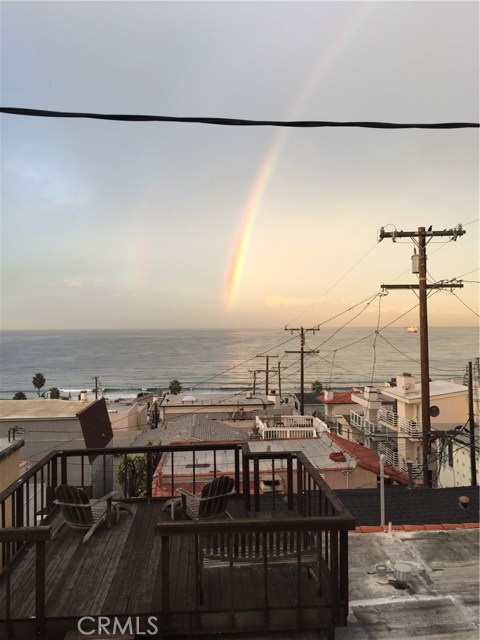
x=411 y=427
x=306 y=522
x=305 y=507
x=359 y=420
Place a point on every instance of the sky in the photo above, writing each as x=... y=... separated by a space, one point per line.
x=117 y=225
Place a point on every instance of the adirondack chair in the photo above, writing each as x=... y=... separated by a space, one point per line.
x=81 y=513
x=212 y=502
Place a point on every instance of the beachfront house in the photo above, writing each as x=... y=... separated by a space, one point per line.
x=396 y=430
x=228 y=406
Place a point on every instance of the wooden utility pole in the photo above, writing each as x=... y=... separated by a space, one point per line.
x=255 y=371
x=267 y=370
x=96 y=387
x=422 y=288
x=471 y=424
x=302 y=353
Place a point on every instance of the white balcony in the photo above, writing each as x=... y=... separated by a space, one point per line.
x=393 y=420
x=390 y=450
x=358 y=420
x=290 y=427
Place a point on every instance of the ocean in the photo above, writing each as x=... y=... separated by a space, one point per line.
x=128 y=362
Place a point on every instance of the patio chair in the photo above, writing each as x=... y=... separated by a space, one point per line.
x=81 y=513
x=212 y=502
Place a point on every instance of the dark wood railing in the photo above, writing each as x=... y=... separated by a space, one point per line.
x=307 y=527
x=314 y=513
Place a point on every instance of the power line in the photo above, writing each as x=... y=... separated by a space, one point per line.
x=237 y=122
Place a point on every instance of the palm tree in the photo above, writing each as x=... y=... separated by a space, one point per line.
x=175 y=387
x=19 y=396
x=54 y=393
x=38 y=381
x=317 y=386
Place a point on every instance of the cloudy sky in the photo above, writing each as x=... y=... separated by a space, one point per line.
x=163 y=225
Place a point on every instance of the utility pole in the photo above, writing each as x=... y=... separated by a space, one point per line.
x=279 y=381
x=255 y=371
x=471 y=422
x=267 y=370
x=97 y=387
x=422 y=288
x=302 y=353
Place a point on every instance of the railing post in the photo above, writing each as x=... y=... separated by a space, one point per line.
x=19 y=507
x=149 y=474
x=63 y=468
x=256 y=484
x=40 y=590
x=333 y=535
x=246 y=480
x=165 y=568
x=344 y=567
x=290 y=482
x=237 y=469
x=6 y=548
x=300 y=497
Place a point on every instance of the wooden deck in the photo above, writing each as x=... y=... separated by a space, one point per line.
x=118 y=573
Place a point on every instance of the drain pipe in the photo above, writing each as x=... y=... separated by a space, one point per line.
x=383 y=459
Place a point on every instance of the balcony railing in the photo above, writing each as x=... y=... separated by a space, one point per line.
x=417 y=469
x=410 y=427
x=305 y=510
x=390 y=450
x=359 y=420
x=290 y=427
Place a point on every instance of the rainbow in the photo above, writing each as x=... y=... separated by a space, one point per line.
x=267 y=166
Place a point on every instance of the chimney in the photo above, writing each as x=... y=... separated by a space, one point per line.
x=328 y=394
x=274 y=397
x=406 y=383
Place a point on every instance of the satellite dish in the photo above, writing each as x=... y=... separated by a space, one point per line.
x=434 y=411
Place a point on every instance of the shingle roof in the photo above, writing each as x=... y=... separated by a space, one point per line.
x=199 y=427
x=367 y=459
x=418 y=506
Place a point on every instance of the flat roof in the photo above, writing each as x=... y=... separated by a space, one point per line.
x=440 y=598
x=316 y=450
x=437 y=388
x=188 y=399
x=40 y=409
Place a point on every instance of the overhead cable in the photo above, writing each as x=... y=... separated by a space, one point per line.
x=235 y=122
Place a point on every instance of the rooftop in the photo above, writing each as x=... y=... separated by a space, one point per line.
x=40 y=409
x=197 y=426
x=340 y=397
x=437 y=388
x=440 y=599
x=216 y=399
x=418 y=506
x=321 y=452
x=367 y=459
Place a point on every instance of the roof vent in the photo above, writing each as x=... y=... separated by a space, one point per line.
x=464 y=502
x=402 y=572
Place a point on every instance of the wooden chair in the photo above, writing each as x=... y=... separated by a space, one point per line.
x=81 y=513
x=212 y=502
